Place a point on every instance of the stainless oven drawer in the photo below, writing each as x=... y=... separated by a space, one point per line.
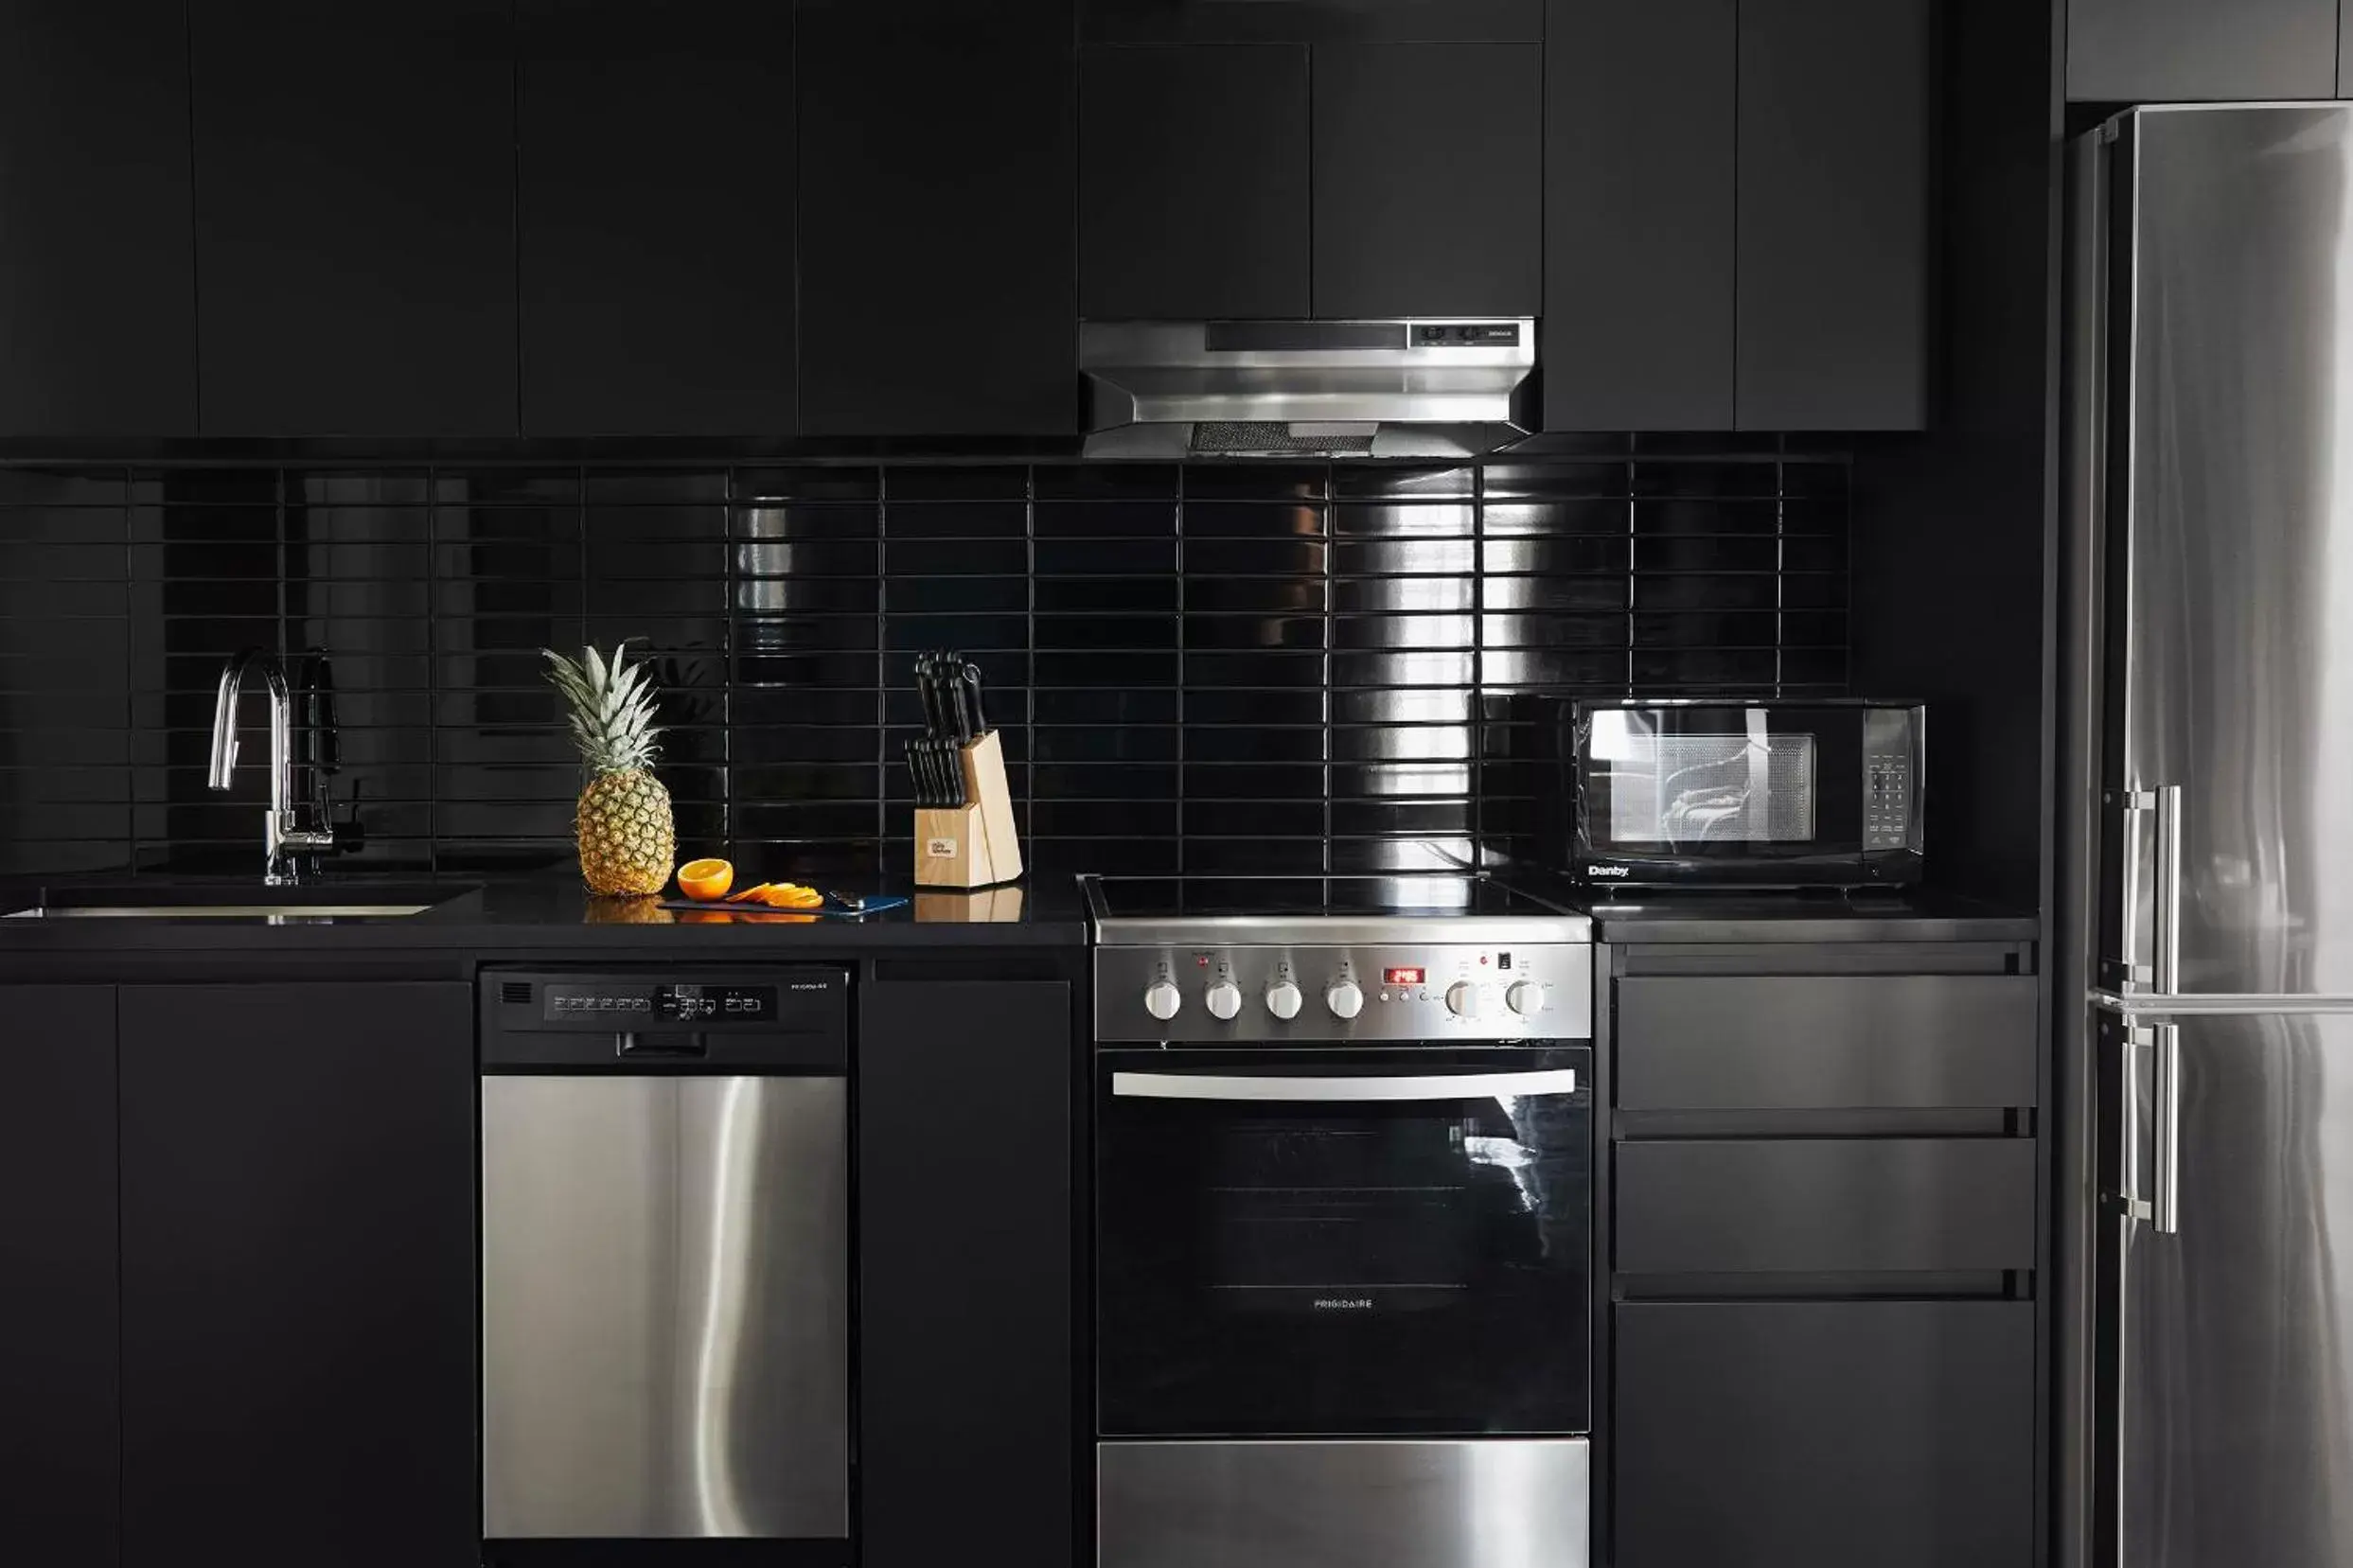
x=1491 y=1504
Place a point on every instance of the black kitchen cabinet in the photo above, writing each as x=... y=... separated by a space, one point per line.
x=2159 y=51
x=967 y=1421
x=1193 y=182
x=655 y=169
x=298 y=1300
x=939 y=262
x=1737 y=214
x=60 y=1442
x=1831 y=311
x=355 y=218
x=1827 y=1042
x=1312 y=21
x=1639 y=160
x=97 y=306
x=1428 y=178
x=1842 y=1435
x=1824 y=1206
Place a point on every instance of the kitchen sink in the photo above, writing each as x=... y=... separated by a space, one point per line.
x=247 y=901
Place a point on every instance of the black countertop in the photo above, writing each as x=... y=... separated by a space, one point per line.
x=552 y=913
x=1871 y=915
x=533 y=913
x=1803 y=918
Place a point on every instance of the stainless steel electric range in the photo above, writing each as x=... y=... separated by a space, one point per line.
x=1344 y=1150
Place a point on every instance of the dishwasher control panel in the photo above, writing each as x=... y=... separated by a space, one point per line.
x=716 y=1018
x=685 y=1002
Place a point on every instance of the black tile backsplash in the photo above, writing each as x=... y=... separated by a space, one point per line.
x=1235 y=667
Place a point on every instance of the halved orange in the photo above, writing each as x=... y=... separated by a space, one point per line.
x=706 y=880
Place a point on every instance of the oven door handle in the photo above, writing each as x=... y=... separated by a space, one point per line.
x=1469 y=1086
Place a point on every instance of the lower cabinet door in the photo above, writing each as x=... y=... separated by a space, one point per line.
x=299 y=1323
x=968 y=1423
x=60 y=1458
x=1836 y=1434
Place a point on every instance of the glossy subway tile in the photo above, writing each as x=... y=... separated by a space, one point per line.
x=1224 y=666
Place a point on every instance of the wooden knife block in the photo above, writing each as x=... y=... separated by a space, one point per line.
x=972 y=845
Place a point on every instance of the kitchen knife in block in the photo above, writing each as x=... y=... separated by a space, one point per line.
x=971 y=845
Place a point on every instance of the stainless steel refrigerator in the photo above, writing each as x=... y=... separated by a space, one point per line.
x=2206 y=822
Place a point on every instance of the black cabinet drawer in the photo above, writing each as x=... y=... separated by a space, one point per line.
x=1826 y=1206
x=1839 y=1435
x=1805 y=1042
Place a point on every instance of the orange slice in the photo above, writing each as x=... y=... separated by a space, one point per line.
x=756 y=893
x=705 y=880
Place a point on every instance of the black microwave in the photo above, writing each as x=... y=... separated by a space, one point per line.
x=1733 y=793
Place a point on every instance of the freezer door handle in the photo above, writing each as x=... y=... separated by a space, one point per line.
x=2164 y=1155
x=2162 y=1207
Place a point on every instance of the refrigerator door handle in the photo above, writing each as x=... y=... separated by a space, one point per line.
x=2164 y=802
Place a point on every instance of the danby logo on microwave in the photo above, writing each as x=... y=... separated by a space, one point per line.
x=1609 y=870
x=1343 y=1303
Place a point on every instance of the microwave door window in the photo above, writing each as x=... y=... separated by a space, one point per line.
x=1701 y=791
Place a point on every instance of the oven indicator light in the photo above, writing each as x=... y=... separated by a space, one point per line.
x=1404 y=977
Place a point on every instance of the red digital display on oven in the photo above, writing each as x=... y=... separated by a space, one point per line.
x=1404 y=977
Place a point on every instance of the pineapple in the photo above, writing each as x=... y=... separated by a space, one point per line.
x=623 y=823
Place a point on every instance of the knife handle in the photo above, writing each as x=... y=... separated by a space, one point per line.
x=970 y=675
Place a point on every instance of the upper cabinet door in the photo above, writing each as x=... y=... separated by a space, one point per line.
x=2159 y=51
x=939 y=270
x=1428 y=178
x=1192 y=181
x=1640 y=153
x=355 y=217
x=1831 y=311
x=656 y=170
x=98 y=304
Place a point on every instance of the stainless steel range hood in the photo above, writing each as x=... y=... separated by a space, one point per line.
x=1426 y=387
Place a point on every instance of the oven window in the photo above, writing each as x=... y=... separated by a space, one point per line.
x=1339 y=1267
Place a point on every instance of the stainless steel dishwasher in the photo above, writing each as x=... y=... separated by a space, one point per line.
x=665 y=1259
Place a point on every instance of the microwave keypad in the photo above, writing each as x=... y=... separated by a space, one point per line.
x=1888 y=802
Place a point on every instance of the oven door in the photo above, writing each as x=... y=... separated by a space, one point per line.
x=1343 y=1242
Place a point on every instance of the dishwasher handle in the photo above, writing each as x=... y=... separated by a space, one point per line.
x=633 y=1045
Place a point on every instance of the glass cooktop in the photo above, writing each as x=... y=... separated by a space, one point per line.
x=1271 y=898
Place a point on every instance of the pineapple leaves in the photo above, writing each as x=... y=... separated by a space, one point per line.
x=609 y=707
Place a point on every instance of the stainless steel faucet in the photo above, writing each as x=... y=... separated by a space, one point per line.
x=282 y=835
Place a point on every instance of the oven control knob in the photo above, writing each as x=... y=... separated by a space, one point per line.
x=1225 y=999
x=1162 y=999
x=1526 y=997
x=1462 y=1000
x=1344 y=999
x=1282 y=1000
